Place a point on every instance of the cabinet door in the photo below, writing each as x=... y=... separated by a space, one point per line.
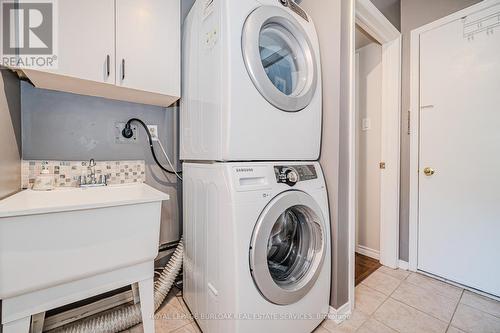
x=86 y=40
x=148 y=45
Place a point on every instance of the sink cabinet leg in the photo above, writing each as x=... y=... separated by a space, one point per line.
x=135 y=293
x=19 y=326
x=37 y=321
x=146 y=294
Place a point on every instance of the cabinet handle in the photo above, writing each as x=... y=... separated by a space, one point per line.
x=108 y=65
x=123 y=69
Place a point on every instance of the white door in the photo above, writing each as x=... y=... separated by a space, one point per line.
x=148 y=45
x=459 y=205
x=86 y=39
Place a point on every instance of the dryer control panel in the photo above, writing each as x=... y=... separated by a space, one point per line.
x=291 y=175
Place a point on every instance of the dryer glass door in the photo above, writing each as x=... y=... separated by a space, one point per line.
x=288 y=247
x=279 y=58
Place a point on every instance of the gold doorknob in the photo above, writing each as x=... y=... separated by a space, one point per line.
x=429 y=171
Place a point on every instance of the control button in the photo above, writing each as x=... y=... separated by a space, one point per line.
x=291 y=177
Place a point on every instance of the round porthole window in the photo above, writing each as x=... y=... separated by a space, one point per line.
x=279 y=58
x=288 y=248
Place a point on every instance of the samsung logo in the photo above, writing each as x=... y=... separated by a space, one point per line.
x=244 y=169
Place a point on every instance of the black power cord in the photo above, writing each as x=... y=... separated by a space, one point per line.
x=128 y=133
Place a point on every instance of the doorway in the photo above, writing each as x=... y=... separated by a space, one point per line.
x=376 y=25
x=368 y=93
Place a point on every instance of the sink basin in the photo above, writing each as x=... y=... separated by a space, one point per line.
x=52 y=238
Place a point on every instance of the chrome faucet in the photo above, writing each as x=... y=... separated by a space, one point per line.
x=90 y=180
x=91 y=170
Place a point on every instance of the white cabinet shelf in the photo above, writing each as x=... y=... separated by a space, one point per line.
x=119 y=49
x=146 y=46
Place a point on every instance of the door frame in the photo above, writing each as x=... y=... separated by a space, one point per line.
x=370 y=19
x=415 y=122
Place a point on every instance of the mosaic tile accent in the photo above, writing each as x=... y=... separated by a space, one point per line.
x=66 y=173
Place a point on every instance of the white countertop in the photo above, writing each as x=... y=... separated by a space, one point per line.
x=29 y=202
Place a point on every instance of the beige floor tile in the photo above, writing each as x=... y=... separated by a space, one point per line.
x=171 y=317
x=435 y=286
x=452 y=329
x=368 y=300
x=404 y=318
x=382 y=282
x=189 y=328
x=472 y=320
x=321 y=329
x=184 y=307
x=350 y=325
x=374 y=326
x=434 y=304
x=397 y=273
x=482 y=303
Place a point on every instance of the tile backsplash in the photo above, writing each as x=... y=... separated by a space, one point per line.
x=66 y=173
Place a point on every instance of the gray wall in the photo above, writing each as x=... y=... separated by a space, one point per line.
x=10 y=133
x=62 y=126
x=331 y=32
x=185 y=7
x=391 y=9
x=415 y=14
x=346 y=50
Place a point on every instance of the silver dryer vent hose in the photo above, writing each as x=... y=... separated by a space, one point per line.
x=126 y=317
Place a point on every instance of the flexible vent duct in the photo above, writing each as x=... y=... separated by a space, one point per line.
x=126 y=317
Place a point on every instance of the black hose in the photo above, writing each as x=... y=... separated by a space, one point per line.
x=128 y=133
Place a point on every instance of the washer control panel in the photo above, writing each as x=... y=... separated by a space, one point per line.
x=291 y=175
x=295 y=7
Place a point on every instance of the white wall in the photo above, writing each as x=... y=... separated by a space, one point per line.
x=369 y=107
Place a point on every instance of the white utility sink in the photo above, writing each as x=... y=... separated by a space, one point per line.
x=61 y=246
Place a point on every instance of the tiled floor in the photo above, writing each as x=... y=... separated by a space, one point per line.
x=388 y=301
x=392 y=301
x=173 y=317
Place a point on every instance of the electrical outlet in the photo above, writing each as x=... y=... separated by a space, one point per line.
x=153 y=130
x=119 y=138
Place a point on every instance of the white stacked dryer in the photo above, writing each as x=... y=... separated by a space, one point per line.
x=257 y=234
x=251 y=82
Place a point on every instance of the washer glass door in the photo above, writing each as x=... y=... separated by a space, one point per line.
x=279 y=58
x=288 y=248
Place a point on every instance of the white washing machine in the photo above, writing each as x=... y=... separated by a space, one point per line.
x=251 y=82
x=257 y=253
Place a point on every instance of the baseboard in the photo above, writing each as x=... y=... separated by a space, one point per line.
x=403 y=265
x=366 y=251
x=340 y=314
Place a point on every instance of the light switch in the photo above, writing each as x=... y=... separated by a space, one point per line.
x=366 y=124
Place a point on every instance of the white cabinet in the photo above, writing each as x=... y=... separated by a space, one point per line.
x=147 y=48
x=119 y=49
x=86 y=40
